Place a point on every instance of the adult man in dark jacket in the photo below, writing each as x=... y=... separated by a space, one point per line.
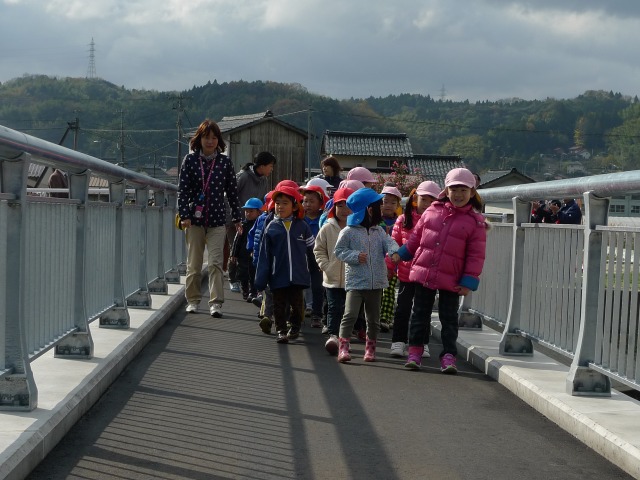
x=570 y=212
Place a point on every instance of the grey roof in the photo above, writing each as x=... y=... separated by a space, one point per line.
x=35 y=170
x=238 y=122
x=366 y=144
x=493 y=175
x=434 y=167
x=231 y=123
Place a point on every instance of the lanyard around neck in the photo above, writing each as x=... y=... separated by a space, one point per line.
x=205 y=184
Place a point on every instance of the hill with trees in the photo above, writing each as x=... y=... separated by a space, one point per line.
x=139 y=127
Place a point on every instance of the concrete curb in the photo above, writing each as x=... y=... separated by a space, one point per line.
x=587 y=419
x=34 y=444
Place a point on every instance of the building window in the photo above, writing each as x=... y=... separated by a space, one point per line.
x=616 y=209
x=384 y=164
x=635 y=209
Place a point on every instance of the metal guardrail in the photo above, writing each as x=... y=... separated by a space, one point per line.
x=67 y=262
x=573 y=289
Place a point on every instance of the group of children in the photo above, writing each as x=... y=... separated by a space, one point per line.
x=359 y=258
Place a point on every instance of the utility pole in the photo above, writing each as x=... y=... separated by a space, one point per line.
x=122 y=139
x=309 y=143
x=180 y=108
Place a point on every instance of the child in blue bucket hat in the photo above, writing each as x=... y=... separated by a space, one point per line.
x=363 y=245
x=240 y=254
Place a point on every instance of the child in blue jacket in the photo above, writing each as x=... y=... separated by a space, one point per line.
x=283 y=262
x=363 y=245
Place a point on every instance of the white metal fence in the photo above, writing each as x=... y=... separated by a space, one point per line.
x=67 y=262
x=573 y=289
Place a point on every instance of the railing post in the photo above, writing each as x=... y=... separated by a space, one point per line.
x=513 y=342
x=171 y=273
x=118 y=315
x=142 y=297
x=581 y=379
x=159 y=284
x=468 y=320
x=79 y=344
x=17 y=387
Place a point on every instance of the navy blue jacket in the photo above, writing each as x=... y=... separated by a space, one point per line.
x=284 y=254
x=570 y=213
x=223 y=180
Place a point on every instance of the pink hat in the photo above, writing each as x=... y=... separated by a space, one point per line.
x=352 y=184
x=392 y=191
x=362 y=174
x=458 y=176
x=429 y=188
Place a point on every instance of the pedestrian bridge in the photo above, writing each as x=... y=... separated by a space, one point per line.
x=75 y=271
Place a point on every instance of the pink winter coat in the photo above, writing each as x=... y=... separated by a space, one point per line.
x=401 y=235
x=447 y=246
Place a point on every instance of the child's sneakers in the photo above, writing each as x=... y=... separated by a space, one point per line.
x=370 y=351
x=397 y=349
x=332 y=345
x=343 y=354
x=265 y=325
x=294 y=332
x=415 y=358
x=448 y=364
x=316 y=321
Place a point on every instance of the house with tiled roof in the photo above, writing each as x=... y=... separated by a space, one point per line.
x=248 y=135
x=433 y=167
x=503 y=178
x=375 y=151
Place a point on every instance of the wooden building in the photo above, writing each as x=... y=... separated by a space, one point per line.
x=247 y=135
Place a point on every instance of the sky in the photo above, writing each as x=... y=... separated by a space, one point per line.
x=453 y=49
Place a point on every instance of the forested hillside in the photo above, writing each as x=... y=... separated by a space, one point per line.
x=533 y=136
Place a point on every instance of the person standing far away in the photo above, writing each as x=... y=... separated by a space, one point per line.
x=206 y=176
x=569 y=213
x=253 y=182
x=331 y=172
x=448 y=250
x=58 y=179
x=363 y=245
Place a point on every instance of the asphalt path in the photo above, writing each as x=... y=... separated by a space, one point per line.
x=218 y=399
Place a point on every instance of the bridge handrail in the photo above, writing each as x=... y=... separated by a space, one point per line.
x=66 y=262
x=572 y=288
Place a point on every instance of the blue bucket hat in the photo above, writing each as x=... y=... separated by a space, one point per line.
x=253 y=203
x=358 y=203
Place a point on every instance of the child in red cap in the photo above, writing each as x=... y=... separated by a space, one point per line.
x=286 y=248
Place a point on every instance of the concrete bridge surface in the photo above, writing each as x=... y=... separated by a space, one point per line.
x=195 y=397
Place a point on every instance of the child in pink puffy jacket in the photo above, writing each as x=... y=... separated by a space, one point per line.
x=419 y=200
x=448 y=250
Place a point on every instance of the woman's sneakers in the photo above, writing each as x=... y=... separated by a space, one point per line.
x=415 y=358
x=448 y=364
x=425 y=352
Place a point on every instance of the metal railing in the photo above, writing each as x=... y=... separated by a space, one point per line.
x=67 y=262
x=571 y=288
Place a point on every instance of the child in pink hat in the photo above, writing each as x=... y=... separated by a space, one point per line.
x=447 y=252
x=390 y=210
x=419 y=200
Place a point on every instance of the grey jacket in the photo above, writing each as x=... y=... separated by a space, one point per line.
x=377 y=244
x=251 y=185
